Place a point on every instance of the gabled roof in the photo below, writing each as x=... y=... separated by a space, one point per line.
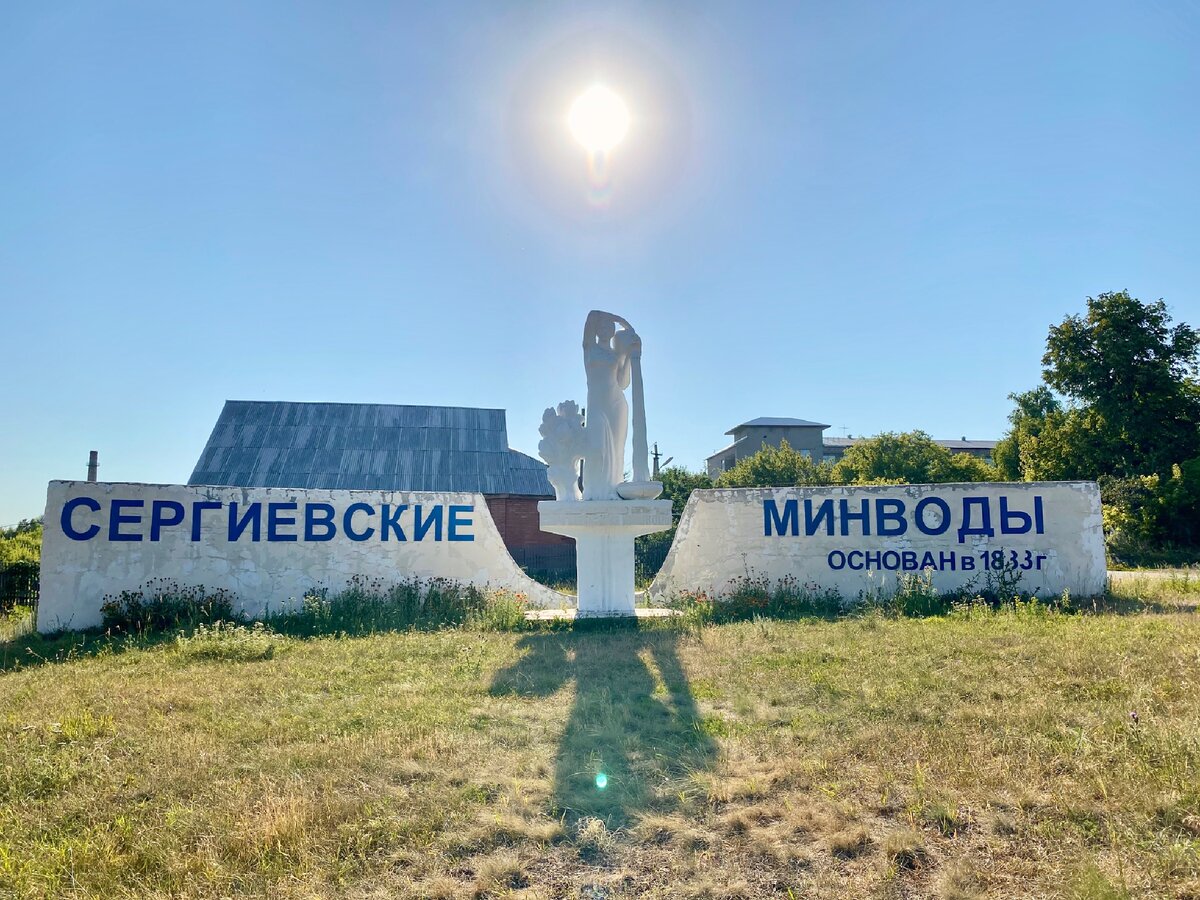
x=366 y=446
x=769 y=422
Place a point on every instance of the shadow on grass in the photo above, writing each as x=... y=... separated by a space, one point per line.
x=633 y=726
x=31 y=649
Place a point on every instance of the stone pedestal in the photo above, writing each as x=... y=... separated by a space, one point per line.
x=604 y=531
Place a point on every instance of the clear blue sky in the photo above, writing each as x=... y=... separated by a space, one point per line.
x=864 y=214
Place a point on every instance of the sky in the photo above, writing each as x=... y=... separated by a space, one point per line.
x=866 y=214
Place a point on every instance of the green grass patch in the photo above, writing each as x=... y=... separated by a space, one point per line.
x=1015 y=750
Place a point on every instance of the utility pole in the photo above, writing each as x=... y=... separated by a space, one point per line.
x=657 y=456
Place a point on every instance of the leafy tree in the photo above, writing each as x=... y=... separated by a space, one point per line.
x=1131 y=375
x=1033 y=409
x=678 y=484
x=781 y=466
x=908 y=458
x=651 y=549
x=21 y=543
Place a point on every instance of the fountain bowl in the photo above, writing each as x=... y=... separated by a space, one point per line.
x=639 y=490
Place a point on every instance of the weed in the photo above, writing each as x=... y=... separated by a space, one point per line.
x=231 y=641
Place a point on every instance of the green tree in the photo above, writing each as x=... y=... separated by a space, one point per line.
x=780 y=466
x=651 y=549
x=1131 y=375
x=21 y=543
x=1032 y=411
x=678 y=484
x=907 y=458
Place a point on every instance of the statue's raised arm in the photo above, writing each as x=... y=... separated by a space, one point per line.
x=600 y=327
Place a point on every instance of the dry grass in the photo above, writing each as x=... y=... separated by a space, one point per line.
x=974 y=755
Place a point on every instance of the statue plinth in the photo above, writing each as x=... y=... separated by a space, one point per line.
x=604 y=531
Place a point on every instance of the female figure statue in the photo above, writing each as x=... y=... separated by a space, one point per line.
x=606 y=361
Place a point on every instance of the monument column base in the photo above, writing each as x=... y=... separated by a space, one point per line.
x=604 y=531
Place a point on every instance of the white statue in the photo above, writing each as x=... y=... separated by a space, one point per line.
x=604 y=528
x=606 y=361
x=562 y=447
x=612 y=360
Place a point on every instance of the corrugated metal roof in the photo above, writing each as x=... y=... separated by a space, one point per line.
x=366 y=446
x=769 y=422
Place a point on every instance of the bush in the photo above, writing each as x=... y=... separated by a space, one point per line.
x=754 y=595
x=164 y=605
x=913 y=595
x=227 y=641
x=371 y=605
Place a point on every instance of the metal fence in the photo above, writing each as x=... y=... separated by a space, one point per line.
x=18 y=585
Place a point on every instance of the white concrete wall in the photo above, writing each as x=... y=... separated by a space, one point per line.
x=78 y=573
x=721 y=537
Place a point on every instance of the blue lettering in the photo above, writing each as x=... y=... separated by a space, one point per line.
x=275 y=521
x=456 y=522
x=391 y=522
x=889 y=510
x=790 y=515
x=421 y=528
x=312 y=522
x=197 y=510
x=348 y=522
x=158 y=521
x=1024 y=520
x=116 y=520
x=895 y=560
x=68 y=527
x=946 y=560
x=943 y=522
x=863 y=515
x=824 y=513
x=851 y=564
x=985 y=513
x=836 y=559
x=253 y=518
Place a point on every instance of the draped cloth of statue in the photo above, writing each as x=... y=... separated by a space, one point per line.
x=606 y=361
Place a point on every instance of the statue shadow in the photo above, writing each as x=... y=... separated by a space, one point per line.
x=633 y=730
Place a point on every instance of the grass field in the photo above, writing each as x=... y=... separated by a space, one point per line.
x=1021 y=753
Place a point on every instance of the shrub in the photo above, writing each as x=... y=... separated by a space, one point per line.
x=503 y=611
x=754 y=595
x=371 y=605
x=162 y=605
x=227 y=641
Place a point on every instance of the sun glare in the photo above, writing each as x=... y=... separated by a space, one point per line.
x=598 y=119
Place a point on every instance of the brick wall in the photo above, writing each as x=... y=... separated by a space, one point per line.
x=516 y=519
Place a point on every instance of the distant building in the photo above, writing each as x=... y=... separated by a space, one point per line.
x=808 y=437
x=749 y=437
x=381 y=447
x=836 y=447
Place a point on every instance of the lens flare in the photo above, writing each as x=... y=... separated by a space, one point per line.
x=601 y=781
x=598 y=119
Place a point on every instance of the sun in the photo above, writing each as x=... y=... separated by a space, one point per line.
x=598 y=119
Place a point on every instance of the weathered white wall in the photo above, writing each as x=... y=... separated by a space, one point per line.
x=77 y=574
x=721 y=538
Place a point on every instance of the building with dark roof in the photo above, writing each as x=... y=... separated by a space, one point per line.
x=381 y=447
